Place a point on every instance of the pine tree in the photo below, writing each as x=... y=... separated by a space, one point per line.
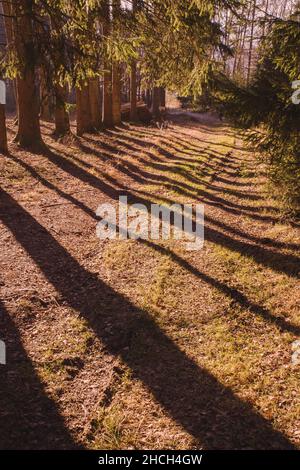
x=29 y=133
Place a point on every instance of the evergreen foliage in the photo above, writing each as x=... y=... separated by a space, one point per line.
x=266 y=107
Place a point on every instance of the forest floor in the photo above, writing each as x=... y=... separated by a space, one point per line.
x=134 y=344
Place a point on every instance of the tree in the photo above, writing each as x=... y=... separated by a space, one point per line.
x=156 y=102
x=133 y=77
x=62 y=121
x=29 y=133
x=95 y=103
x=266 y=107
x=251 y=41
x=107 y=112
x=84 y=119
x=116 y=72
x=172 y=43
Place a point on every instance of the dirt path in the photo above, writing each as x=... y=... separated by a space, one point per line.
x=131 y=344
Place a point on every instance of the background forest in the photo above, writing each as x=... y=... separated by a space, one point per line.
x=92 y=57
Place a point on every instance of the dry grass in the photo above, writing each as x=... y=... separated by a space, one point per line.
x=202 y=301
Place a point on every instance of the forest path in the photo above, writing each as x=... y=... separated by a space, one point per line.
x=131 y=344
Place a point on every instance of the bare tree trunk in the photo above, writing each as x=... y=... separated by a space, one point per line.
x=133 y=78
x=226 y=37
x=3 y=134
x=139 y=91
x=266 y=17
x=283 y=9
x=116 y=94
x=9 y=39
x=239 y=43
x=162 y=97
x=251 y=43
x=7 y=10
x=240 y=61
x=62 y=120
x=107 y=118
x=133 y=93
x=95 y=103
x=148 y=97
x=156 y=102
x=83 y=110
x=29 y=133
x=46 y=99
x=116 y=76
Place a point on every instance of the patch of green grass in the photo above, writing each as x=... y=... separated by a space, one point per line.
x=14 y=173
x=109 y=430
x=108 y=427
x=65 y=356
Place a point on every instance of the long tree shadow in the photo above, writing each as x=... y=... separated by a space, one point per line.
x=204 y=407
x=160 y=164
x=232 y=293
x=283 y=263
x=29 y=419
x=183 y=188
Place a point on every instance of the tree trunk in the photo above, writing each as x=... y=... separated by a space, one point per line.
x=29 y=133
x=7 y=10
x=46 y=99
x=148 y=97
x=133 y=78
x=83 y=110
x=163 y=97
x=239 y=44
x=95 y=103
x=266 y=17
x=116 y=94
x=107 y=118
x=251 y=43
x=156 y=102
x=3 y=135
x=62 y=120
x=133 y=93
x=116 y=75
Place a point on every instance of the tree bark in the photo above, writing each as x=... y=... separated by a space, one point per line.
x=29 y=133
x=83 y=110
x=107 y=118
x=3 y=134
x=162 y=97
x=149 y=97
x=46 y=95
x=62 y=120
x=156 y=102
x=133 y=78
x=116 y=94
x=133 y=93
x=95 y=103
x=116 y=75
x=251 y=43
